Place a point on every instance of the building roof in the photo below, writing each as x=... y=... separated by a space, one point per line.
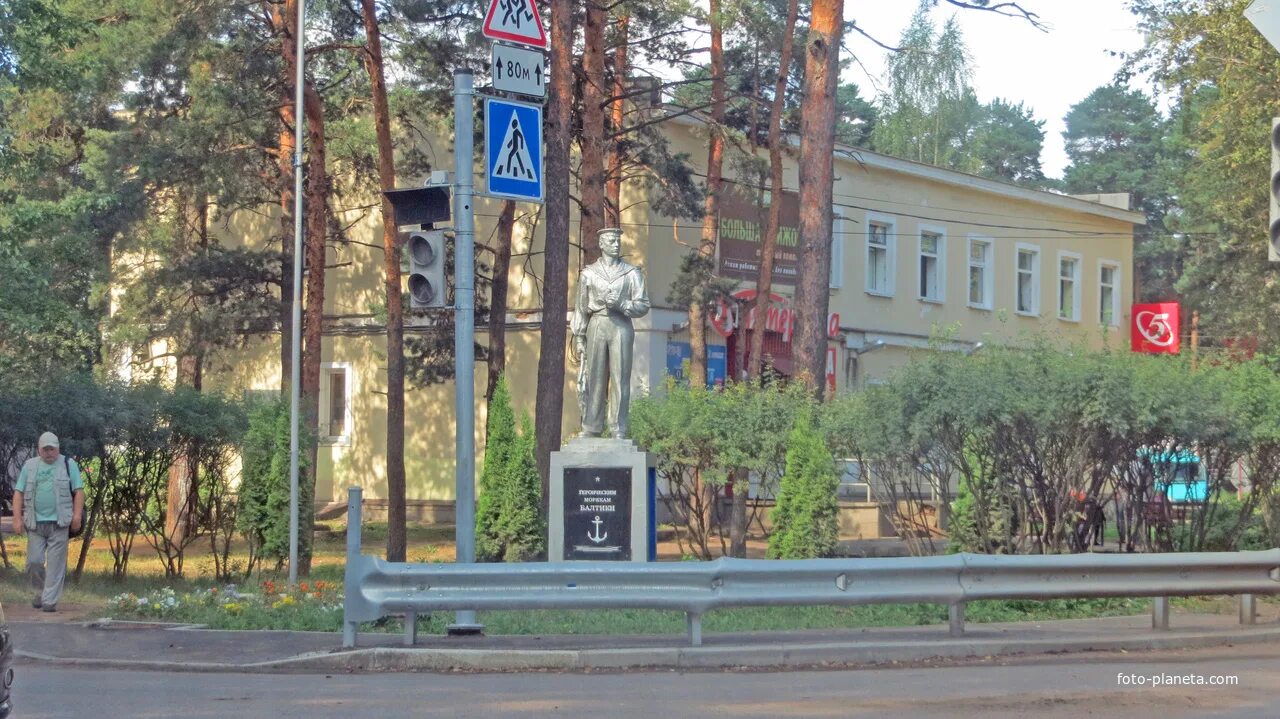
x=944 y=176
x=880 y=161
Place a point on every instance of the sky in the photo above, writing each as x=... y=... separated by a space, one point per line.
x=1049 y=72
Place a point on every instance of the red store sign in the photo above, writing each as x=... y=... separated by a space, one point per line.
x=1156 y=328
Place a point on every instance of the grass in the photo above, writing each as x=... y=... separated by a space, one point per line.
x=259 y=602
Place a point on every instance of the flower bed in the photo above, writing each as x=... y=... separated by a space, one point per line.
x=313 y=606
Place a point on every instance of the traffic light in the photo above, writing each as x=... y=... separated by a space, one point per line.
x=426 y=269
x=1273 y=248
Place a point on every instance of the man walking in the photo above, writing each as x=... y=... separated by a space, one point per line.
x=48 y=504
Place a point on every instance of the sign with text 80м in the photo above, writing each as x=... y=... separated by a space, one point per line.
x=519 y=70
x=513 y=149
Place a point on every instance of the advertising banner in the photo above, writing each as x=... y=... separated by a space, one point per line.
x=1156 y=328
x=742 y=225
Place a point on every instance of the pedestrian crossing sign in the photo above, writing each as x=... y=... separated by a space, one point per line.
x=513 y=149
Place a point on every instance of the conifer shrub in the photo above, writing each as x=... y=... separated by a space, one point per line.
x=509 y=526
x=263 y=514
x=806 y=516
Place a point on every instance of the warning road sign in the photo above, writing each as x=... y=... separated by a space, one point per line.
x=516 y=21
x=513 y=149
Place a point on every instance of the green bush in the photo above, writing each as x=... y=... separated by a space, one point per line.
x=1227 y=527
x=704 y=438
x=509 y=527
x=806 y=517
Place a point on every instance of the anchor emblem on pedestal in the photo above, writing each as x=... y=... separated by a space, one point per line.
x=597 y=537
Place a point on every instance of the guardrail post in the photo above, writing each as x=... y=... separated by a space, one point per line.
x=353 y=556
x=1159 y=612
x=410 y=628
x=1248 y=605
x=694 y=623
x=955 y=613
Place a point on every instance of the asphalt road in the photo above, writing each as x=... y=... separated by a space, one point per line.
x=1064 y=686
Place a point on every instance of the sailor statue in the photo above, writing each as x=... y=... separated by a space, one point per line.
x=610 y=293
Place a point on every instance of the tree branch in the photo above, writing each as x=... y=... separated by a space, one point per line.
x=1008 y=9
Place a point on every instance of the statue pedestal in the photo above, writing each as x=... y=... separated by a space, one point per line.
x=602 y=502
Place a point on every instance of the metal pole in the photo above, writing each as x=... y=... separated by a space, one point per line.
x=349 y=586
x=295 y=375
x=464 y=270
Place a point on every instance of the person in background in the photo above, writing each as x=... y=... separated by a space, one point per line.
x=48 y=504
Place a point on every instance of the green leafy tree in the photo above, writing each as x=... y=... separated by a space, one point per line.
x=1117 y=141
x=1005 y=144
x=805 y=519
x=1227 y=79
x=924 y=110
x=855 y=116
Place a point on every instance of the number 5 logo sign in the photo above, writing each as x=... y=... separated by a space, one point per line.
x=1156 y=328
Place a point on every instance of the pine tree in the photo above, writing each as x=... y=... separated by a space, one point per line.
x=805 y=519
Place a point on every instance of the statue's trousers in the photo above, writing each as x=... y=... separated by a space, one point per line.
x=608 y=354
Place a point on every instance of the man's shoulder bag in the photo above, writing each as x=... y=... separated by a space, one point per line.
x=72 y=532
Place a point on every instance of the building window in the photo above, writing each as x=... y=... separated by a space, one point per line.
x=1108 y=294
x=1068 y=287
x=879 y=257
x=837 y=251
x=931 y=269
x=335 y=404
x=980 y=290
x=1028 y=279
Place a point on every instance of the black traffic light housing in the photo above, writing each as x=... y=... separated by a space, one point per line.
x=419 y=205
x=423 y=206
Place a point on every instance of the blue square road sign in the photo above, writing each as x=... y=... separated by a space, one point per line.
x=513 y=149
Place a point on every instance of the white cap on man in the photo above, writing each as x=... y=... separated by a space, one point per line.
x=48 y=439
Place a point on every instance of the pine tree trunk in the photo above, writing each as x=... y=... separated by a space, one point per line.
x=711 y=208
x=285 y=162
x=764 y=282
x=498 y=302
x=817 y=143
x=555 y=287
x=613 y=186
x=183 y=491
x=396 y=499
x=317 y=211
x=591 y=173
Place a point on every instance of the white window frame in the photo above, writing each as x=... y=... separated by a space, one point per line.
x=988 y=272
x=940 y=262
x=1117 y=282
x=1076 y=290
x=1035 y=279
x=837 y=251
x=326 y=404
x=891 y=252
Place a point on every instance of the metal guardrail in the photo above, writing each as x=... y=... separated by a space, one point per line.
x=376 y=588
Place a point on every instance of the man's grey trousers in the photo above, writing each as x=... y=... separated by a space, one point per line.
x=47 y=561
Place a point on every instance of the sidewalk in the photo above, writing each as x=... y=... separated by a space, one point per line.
x=153 y=646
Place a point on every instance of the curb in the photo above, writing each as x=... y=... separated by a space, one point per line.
x=758 y=655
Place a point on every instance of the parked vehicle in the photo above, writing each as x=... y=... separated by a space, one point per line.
x=6 y=666
x=1182 y=479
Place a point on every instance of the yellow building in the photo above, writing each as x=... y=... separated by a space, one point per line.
x=917 y=251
